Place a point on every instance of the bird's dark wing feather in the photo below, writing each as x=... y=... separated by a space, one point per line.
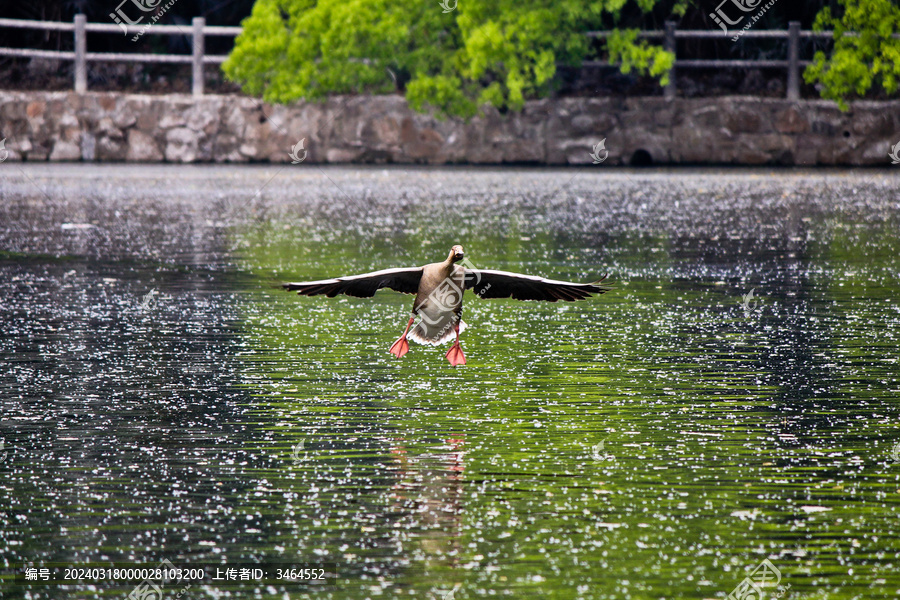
x=361 y=286
x=502 y=284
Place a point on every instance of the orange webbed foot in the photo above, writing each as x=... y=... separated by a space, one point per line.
x=455 y=355
x=400 y=347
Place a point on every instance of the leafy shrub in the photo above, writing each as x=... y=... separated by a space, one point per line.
x=865 y=54
x=499 y=52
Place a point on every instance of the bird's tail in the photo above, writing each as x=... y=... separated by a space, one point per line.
x=435 y=335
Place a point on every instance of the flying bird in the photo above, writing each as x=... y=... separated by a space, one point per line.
x=439 y=291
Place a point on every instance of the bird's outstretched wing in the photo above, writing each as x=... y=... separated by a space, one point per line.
x=502 y=284
x=361 y=286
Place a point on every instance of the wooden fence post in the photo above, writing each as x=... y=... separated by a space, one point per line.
x=793 y=75
x=671 y=89
x=197 y=71
x=80 y=66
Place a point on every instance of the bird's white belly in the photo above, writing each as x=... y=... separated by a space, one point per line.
x=440 y=312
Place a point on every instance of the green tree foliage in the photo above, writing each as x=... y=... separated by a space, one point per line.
x=499 y=52
x=502 y=52
x=865 y=54
x=625 y=48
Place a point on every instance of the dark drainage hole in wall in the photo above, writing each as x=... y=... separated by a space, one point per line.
x=641 y=158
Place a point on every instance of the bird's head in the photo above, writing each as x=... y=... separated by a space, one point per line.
x=456 y=254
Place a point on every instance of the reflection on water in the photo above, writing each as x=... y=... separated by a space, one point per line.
x=428 y=495
x=162 y=400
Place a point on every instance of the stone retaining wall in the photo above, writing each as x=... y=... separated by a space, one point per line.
x=104 y=127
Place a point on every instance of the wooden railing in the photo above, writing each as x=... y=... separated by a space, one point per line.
x=792 y=63
x=199 y=30
x=81 y=56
